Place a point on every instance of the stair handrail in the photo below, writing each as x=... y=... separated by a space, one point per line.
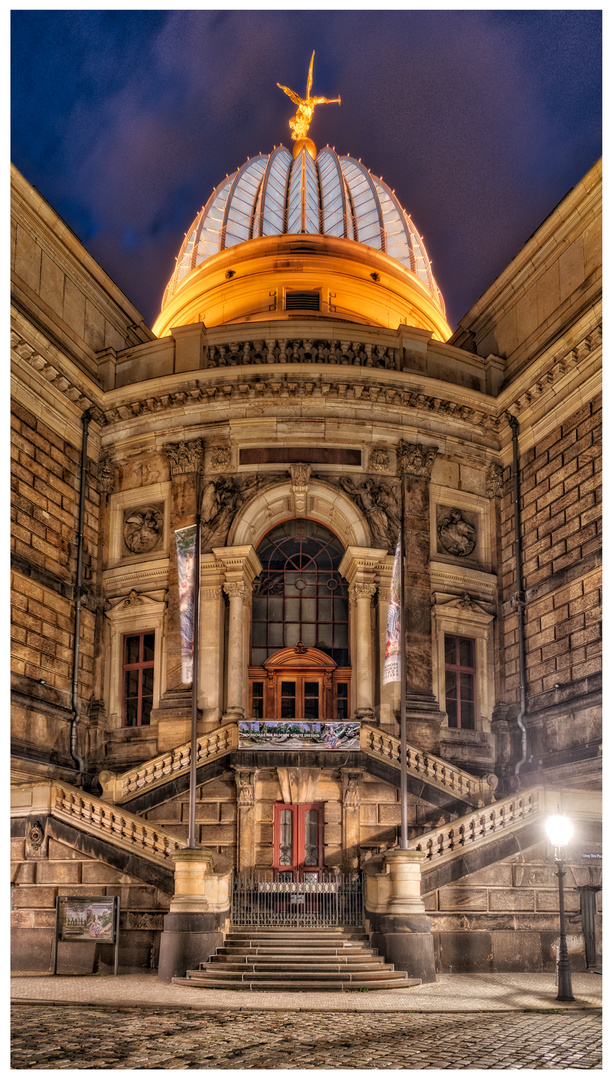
x=98 y=818
x=119 y=787
x=476 y=828
x=476 y=790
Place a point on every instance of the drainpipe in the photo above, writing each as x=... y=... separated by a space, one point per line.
x=86 y=417
x=520 y=595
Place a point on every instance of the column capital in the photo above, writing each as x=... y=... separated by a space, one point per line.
x=414 y=459
x=240 y=563
x=362 y=590
x=237 y=588
x=185 y=457
x=361 y=564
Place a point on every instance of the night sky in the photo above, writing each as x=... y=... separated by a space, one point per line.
x=481 y=121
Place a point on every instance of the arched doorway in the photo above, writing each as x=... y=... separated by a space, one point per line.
x=299 y=641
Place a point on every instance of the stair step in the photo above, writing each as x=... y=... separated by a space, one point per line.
x=327 y=959
x=222 y=971
x=392 y=983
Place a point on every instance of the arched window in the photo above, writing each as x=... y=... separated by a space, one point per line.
x=300 y=595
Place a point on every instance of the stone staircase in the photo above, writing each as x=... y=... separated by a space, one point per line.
x=327 y=958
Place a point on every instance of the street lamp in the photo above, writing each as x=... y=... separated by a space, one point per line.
x=559 y=831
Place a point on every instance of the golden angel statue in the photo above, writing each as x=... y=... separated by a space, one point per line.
x=306 y=106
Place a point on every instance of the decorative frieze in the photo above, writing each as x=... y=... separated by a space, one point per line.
x=416 y=460
x=303 y=351
x=185 y=457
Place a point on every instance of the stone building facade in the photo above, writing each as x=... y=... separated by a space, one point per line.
x=294 y=382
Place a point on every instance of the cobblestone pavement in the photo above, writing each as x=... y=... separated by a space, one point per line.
x=68 y=1036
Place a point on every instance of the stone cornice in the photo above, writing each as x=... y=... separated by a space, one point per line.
x=527 y=389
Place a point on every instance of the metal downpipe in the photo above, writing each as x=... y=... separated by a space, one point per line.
x=86 y=417
x=520 y=595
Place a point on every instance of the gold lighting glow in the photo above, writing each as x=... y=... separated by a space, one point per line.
x=303 y=118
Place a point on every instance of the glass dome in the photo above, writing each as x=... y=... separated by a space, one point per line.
x=275 y=194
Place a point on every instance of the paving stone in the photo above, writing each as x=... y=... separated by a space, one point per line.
x=137 y=1037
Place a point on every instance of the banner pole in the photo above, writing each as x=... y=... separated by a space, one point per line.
x=402 y=625
x=191 y=840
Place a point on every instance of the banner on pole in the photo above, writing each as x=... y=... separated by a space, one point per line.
x=185 y=561
x=391 y=669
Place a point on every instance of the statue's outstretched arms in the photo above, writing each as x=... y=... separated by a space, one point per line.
x=296 y=99
x=325 y=101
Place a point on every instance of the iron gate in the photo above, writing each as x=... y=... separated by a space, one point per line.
x=311 y=899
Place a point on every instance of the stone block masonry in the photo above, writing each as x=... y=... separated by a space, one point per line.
x=44 y=527
x=561 y=487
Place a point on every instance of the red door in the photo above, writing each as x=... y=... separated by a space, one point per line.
x=298 y=841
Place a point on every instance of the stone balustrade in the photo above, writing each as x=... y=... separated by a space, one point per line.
x=98 y=818
x=479 y=791
x=474 y=829
x=214 y=744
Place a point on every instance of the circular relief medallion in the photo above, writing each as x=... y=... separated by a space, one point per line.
x=142 y=529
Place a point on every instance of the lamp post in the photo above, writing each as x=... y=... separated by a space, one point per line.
x=559 y=831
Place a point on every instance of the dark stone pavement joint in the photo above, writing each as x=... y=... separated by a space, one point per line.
x=47 y=1037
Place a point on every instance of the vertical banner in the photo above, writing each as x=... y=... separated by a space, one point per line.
x=185 y=562
x=391 y=669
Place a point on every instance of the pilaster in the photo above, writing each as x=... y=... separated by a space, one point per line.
x=241 y=568
x=360 y=567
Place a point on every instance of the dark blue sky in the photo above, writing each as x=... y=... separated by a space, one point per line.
x=480 y=120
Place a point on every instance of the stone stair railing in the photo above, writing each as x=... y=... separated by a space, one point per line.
x=118 y=788
x=478 y=791
x=98 y=818
x=475 y=829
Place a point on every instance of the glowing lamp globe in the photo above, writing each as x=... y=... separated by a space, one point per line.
x=559 y=830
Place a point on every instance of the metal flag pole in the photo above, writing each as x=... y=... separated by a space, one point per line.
x=402 y=626
x=191 y=840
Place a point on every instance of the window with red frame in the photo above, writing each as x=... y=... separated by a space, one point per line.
x=460 y=668
x=138 y=657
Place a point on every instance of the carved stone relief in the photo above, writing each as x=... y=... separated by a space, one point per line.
x=379 y=460
x=105 y=482
x=143 y=528
x=494 y=481
x=456 y=531
x=220 y=458
x=379 y=503
x=416 y=460
x=185 y=457
x=222 y=499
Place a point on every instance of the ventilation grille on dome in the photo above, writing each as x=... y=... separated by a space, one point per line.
x=302 y=301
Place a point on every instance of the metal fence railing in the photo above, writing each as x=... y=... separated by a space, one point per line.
x=321 y=898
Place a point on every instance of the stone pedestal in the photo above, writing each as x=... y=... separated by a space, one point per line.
x=423 y=721
x=399 y=927
x=199 y=914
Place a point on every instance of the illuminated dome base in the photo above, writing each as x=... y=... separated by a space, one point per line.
x=280 y=277
x=313 y=224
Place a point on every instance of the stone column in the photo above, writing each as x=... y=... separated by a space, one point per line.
x=423 y=715
x=185 y=461
x=241 y=568
x=399 y=926
x=351 y=810
x=360 y=566
x=245 y=800
x=195 y=926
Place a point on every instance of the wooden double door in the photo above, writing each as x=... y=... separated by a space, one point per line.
x=299 y=683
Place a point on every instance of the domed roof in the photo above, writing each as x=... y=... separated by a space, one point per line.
x=279 y=193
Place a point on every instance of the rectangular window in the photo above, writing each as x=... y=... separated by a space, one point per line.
x=138 y=664
x=257 y=700
x=460 y=672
